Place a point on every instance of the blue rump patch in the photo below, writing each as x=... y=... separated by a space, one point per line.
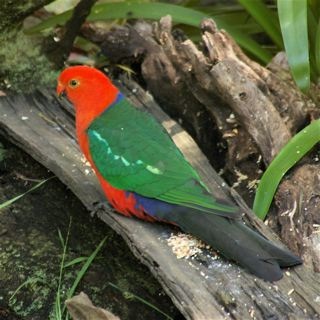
x=154 y=207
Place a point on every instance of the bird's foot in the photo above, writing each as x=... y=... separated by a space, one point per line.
x=100 y=206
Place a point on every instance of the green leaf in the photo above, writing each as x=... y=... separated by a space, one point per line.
x=289 y=155
x=294 y=27
x=317 y=48
x=75 y=261
x=29 y=281
x=58 y=312
x=265 y=17
x=239 y=20
x=61 y=238
x=312 y=30
x=314 y=7
x=9 y=202
x=312 y=27
x=154 y=11
x=131 y=296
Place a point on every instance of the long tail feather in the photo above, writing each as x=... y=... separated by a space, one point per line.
x=237 y=242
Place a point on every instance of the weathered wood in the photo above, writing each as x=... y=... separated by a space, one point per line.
x=299 y=202
x=202 y=288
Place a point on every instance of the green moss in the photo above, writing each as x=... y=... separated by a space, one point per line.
x=13 y=12
x=23 y=67
x=31 y=269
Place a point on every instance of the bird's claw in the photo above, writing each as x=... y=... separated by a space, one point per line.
x=100 y=206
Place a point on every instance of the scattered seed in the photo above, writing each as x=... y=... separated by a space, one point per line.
x=290 y=292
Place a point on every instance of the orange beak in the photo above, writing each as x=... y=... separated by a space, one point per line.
x=60 y=89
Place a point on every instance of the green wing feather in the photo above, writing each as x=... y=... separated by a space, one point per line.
x=134 y=153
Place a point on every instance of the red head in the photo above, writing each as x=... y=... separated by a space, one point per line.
x=89 y=90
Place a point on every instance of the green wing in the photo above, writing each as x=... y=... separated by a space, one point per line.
x=134 y=153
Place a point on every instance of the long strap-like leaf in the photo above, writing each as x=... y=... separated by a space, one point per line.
x=294 y=27
x=290 y=154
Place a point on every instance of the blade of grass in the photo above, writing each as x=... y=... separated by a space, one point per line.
x=83 y=270
x=25 y=283
x=154 y=11
x=312 y=27
x=130 y=295
x=265 y=17
x=294 y=27
x=289 y=155
x=11 y=201
x=75 y=261
x=64 y=243
x=61 y=239
x=127 y=69
x=312 y=31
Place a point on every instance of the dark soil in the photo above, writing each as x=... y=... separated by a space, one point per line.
x=30 y=250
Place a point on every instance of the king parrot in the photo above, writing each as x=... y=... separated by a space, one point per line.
x=143 y=174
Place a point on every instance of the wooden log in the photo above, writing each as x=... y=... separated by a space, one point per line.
x=203 y=287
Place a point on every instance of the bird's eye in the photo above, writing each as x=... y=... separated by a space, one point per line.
x=73 y=83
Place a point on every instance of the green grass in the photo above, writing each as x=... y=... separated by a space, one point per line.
x=60 y=310
x=29 y=282
x=265 y=17
x=131 y=296
x=11 y=201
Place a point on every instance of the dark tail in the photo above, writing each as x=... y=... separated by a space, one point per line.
x=234 y=240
